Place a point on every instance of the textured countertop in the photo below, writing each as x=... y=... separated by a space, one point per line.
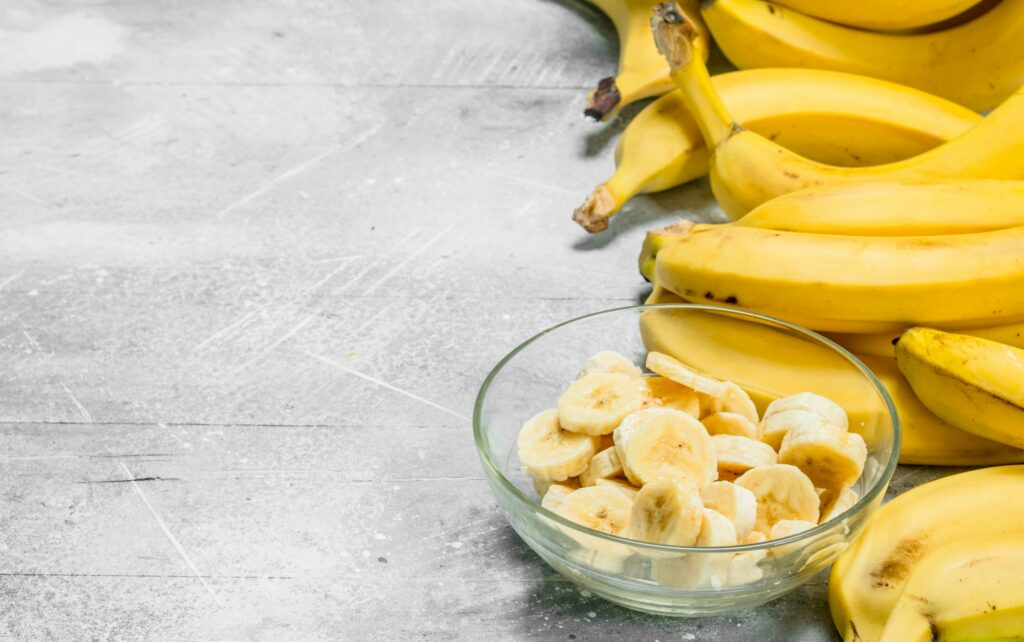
x=255 y=260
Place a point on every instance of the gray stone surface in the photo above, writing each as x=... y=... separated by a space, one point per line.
x=258 y=257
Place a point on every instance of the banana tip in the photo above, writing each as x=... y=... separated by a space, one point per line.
x=602 y=99
x=674 y=33
x=593 y=215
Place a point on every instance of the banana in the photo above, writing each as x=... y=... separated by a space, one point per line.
x=828 y=455
x=735 y=502
x=965 y=590
x=710 y=569
x=666 y=393
x=785 y=528
x=735 y=400
x=610 y=361
x=883 y=344
x=775 y=426
x=882 y=15
x=976 y=64
x=664 y=443
x=754 y=537
x=684 y=375
x=835 y=502
x=782 y=492
x=667 y=512
x=824 y=407
x=541 y=486
x=897 y=208
x=868 y=578
x=595 y=403
x=547 y=452
x=740 y=454
x=975 y=384
x=642 y=72
x=620 y=485
x=603 y=509
x=604 y=465
x=743 y=568
x=827 y=116
x=748 y=169
x=555 y=495
x=729 y=423
x=852 y=283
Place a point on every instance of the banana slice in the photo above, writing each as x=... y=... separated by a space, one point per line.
x=666 y=393
x=621 y=485
x=610 y=361
x=725 y=475
x=782 y=492
x=785 y=528
x=740 y=454
x=555 y=495
x=549 y=453
x=743 y=568
x=824 y=407
x=735 y=502
x=597 y=507
x=829 y=455
x=541 y=486
x=774 y=427
x=730 y=423
x=836 y=502
x=754 y=537
x=595 y=403
x=667 y=512
x=711 y=569
x=603 y=465
x=684 y=375
x=661 y=443
x=735 y=400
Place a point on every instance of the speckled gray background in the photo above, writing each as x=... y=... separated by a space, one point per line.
x=255 y=260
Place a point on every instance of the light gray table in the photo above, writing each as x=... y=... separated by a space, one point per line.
x=255 y=260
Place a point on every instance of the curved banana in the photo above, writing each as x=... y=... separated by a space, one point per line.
x=883 y=344
x=977 y=64
x=786 y=365
x=642 y=71
x=969 y=589
x=881 y=15
x=748 y=169
x=868 y=578
x=975 y=384
x=828 y=116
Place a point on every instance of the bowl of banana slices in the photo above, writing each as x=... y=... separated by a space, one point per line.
x=685 y=459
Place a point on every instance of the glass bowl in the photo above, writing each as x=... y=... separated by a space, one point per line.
x=768 y=358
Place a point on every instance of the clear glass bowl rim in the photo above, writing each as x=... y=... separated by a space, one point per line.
x=495 y=472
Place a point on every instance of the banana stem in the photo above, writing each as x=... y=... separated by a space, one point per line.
x=603 y=99
x=675 y=35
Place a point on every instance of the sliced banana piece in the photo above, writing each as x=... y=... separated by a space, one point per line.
x=735 y=502
x=665 y=393
x=744 y=569
x=598 y=507
x=711 y=569
x=782 y=492
x=740 y=454
x=595 y=403
x=773 y=428
x=729 y=423
x=610 y=361
x=683 y=374
x=667 y=512
x=824 y=407
x=541 y=486
x=829 y=455
x=754 y=537
x=836 y=502
x=603 y=465
x=621 y=485
x=661 y=443
x=735 y=400
x=549 y=453
x=785 y=528
x=555 y=495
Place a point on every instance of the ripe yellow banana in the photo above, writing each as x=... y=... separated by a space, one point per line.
x=827 y=116
x=868 y=578
x=642 y=71
x=783 y=365
x=969 y=589
x=883 y=344
x=975 y=384
x=881 y=15
x=977 y=64
x=748 y=169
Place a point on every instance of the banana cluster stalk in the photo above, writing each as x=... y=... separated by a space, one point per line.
x=748 y=169
x=943 y=561
x=977 y=63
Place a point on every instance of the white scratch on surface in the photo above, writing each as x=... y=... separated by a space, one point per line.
x=398 y=266
x=26 y=195
x=372 y=264
x=528 y=181
x=274 y=182
x=384 y=384
x=287 y=335
x=74 y=400
x=319 y=284
x=9 y=280
x=167 y=532
x=234 y=324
